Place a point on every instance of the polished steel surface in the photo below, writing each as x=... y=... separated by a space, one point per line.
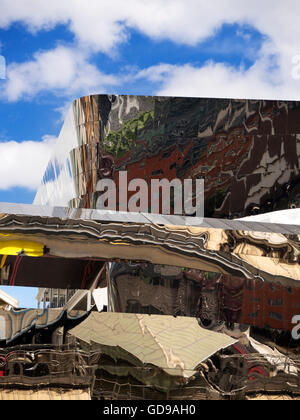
x=247 y=151
x=172 y=278
x=132 y=356
x=154 y=357
x=248 y=277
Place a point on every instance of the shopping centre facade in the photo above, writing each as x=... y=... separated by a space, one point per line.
x=198 y=307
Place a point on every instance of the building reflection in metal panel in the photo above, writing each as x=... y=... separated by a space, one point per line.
x=246 y=150
x=228 y=275
x=232 y=276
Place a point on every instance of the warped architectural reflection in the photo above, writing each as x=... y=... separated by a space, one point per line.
x=248 y=276
x=197 y=308
x=246 y=150
x=175 y=358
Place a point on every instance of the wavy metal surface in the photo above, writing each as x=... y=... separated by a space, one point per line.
x=150 y=357
x=226 y=275
x=45 y=372
x=242 y=276
x=247 y=151
x=154 y=357
x=16 y=323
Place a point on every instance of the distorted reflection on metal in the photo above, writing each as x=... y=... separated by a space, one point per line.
x=205 y=307
x=248 y=276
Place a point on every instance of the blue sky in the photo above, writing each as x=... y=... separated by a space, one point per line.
x=56 y=52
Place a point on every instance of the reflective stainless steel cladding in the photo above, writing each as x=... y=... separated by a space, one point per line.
x=223 y=294
x=247 y=151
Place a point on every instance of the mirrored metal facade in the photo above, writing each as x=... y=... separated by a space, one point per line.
x=197 y=309
x=247 y=151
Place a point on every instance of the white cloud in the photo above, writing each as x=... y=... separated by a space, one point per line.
x=102 y=26
x=265 y=79
x=23 y=164
x=99 y=25
x=63 y=70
